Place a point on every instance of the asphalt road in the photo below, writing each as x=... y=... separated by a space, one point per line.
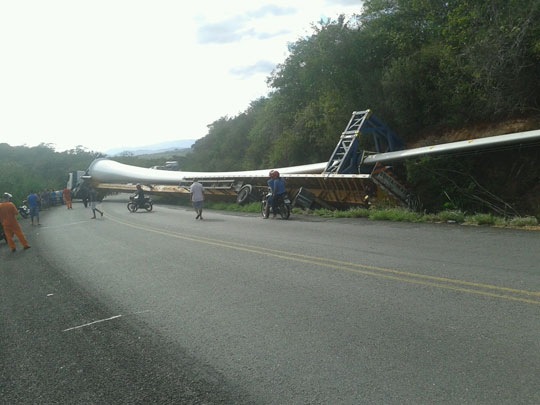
x=160 y=308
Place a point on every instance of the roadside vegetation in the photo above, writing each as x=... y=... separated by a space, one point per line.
x=404 y=215
x=393 y=214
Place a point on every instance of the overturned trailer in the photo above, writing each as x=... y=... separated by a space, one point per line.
x=342 y=181
x=351 y=177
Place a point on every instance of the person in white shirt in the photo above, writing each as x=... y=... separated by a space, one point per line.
x=197 y=197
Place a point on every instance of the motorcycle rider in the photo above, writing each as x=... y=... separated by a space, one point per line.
x=277 y=184
x=139 y=196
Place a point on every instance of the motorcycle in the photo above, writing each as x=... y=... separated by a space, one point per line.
x=284 y=208
x=134 y=204
x=24 y=210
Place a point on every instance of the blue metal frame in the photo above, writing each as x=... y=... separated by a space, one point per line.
x=346 y=157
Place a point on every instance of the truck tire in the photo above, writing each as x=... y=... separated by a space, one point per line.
x=245 y=195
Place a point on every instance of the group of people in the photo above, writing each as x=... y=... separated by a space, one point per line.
x=8 y=211
x=197 y=197
x=51 y=198
x=41 y=200
x=276 y=184
x=36 y=201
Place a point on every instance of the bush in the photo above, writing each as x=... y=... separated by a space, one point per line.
x=396 y=214
x=359 y=212
x=323 y=212
x=485 y=219
x=222 y=206
x=451 y=215
x=523 y=221
x=390 y=214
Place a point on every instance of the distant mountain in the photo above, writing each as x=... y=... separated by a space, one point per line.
x=155 y=148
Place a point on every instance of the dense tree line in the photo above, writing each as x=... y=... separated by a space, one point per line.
x=24 y=169
x=421 y=65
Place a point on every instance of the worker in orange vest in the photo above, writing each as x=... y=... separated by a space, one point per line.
x=8 y=211
x=67 y=198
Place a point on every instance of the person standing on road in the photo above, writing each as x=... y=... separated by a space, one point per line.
x=197 y=197
x=8 y=211
x=93 y=203
x=33 y=203
x=67 y=198
x=52 y=198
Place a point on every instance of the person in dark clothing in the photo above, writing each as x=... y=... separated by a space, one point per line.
x=93 y=203
x=139 y=199
x=278 y=191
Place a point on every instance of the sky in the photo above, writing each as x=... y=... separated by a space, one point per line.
x=107 y=74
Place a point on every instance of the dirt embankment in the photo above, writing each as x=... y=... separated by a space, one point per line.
x=478 y=131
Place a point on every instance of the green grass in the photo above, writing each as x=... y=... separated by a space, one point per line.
x=481 y=219
x=396 y=214
x=390 y=214
x=523 y=221
x=253 y=207
x=451 y=215
x=404 y=215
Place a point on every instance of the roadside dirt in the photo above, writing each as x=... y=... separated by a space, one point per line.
x=478 y=131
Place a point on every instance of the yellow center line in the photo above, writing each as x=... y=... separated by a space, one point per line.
x=379 y=272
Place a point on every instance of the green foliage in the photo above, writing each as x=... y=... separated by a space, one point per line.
x=24 y=169
x=481 y=219
x=396 y=214
x=419 y=65
x=523 y=221
x=222 y=206
x=353 y=213
x=323 y=212
x=493 y=182
x=456 y=216
x=404 y=215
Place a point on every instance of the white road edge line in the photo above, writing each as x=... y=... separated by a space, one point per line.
x=91 y=323
x=103 y=320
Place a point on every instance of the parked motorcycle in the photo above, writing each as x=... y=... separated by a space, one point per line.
x=134 y=204
x=284 y=207
x=24 y=210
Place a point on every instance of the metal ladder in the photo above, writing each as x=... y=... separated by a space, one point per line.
x=347 y=158
x=343 y=159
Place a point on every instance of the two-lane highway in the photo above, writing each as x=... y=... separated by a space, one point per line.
x=160 y=307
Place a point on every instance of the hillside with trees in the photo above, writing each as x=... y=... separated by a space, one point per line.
x=423 y=66
x=25 y=169
x=427 y=68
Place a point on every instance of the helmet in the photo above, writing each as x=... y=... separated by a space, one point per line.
x=270 y=173
x=138 y=186
x=7 y=196
x=275 y=174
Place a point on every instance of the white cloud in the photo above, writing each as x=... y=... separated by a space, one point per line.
x=114 y=73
